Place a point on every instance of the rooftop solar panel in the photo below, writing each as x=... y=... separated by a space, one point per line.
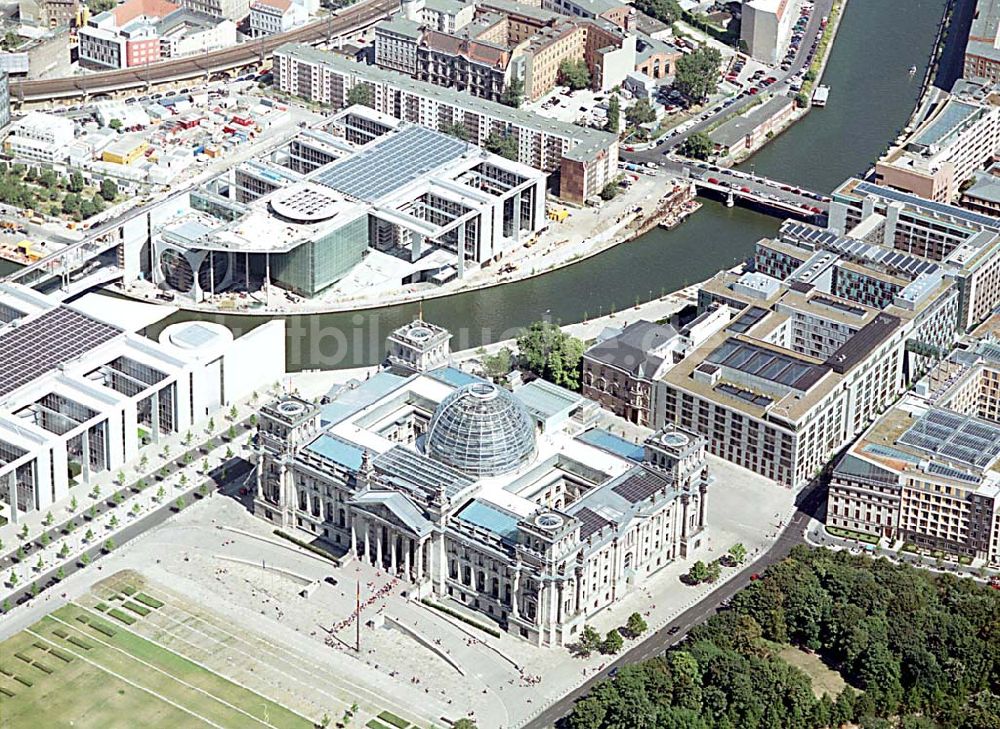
x=383 y=167
x=591 y=522
x=957 y=437
x=47 y=341
x=639 y=484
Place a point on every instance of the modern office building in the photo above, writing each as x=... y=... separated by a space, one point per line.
x=982 y=51
x=80 y=396
x=947 y=150
x=584 y=160
x=965 y=244
x=765 y=27
x=507 y=503
x=303 y=215
x=926 y=474
x=40 y=137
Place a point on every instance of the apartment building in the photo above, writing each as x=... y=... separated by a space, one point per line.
x=945 y=151
x=926 y=473
x=982 y=51
x=618 y=13
x=268 y=17
x=234 y=10
x=964 y=243
x=464 y=65
x=445 y=16
x=396 y=42
x=584 y=160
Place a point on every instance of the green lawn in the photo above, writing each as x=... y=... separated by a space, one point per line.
x=170 y=690
x=824 y=679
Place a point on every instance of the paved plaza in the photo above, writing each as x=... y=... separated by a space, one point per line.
x=280 y=620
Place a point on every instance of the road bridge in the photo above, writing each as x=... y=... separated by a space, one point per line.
x=732 y=186
x=347 y=21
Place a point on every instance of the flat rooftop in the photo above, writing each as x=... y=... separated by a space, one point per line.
x=41 y=344
x=386 y=165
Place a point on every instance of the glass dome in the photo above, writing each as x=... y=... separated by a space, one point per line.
x=482 y=430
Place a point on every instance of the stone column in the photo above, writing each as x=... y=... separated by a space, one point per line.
x=516 y=228
x=553 y=598
x=702 y=504
x=540 y=613
x=392 y=553
x=685 y=504
x=443 y=566
x=406 y=559
x=378 y=546
x=354 y=540
x=461 y=249
x=368 y=543
x=514 y=591
x=420 y=560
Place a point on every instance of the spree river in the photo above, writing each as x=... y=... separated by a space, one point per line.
x=872 y=95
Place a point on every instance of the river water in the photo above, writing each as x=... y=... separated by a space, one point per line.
x=871 y=98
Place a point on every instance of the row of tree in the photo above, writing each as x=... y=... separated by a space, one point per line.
x=917 y=650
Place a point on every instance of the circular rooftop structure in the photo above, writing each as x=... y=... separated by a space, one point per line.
x=482 y=430
x=675 y=439
x=197 y=337
x=305 y=203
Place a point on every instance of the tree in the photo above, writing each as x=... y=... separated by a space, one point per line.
x=188 y=438
x=574 y=73
x=183 y=479
x=21 y=554
x=698 y=146
x=698 y=572
x=609 y=191
x=75 y=182
x=160 y=493
x=166 y=451
x=361 y=94
x=109 y=545
x=613 y=642
x=13 y=579
x=136 y=509
x=109 y=190
x=95 y=492
x=115 y=124
x=738 y=553
x=229 y=452
x=666 y=11
x=73 y=504
x=498 y=366
x=714 y=571
x=504 y=145
x=71 y=203
x=614 y=115
x=143 y=462
x=35 y=589
x=24 y=531
x=119 y=497
x=64 y=551
x=92 y=512
x=49 y=519
x=465 y=723
x=641 y=112
x=513 y=95
x=60 y=574
x=180 y=503
x=84 y=559
x=6 y=606
x=40 y=564
x=635 y=625
x=45 y=539
x=89 y=536
x=231 y=433
x=455 y=130
x=550 y=353
x=204 y=465
x=233 y=413
x=211 y=425
x=113 y=521
x=590 y=640
x=697 y=74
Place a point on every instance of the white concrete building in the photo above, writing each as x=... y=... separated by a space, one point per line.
x=234 y=10
x=766 y=26
x=80 y=396
x=40 y=137
x=268 y=17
